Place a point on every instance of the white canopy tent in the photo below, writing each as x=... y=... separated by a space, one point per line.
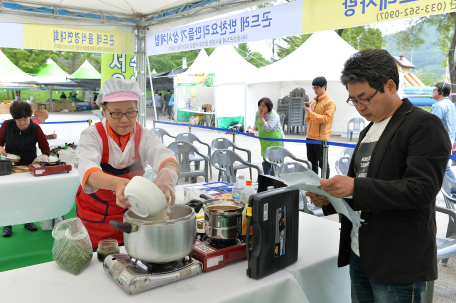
x=229 y=94
x=323 y=54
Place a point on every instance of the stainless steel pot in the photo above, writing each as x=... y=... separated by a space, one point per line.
x=6 y=167
x=223 y=217
x=159 y=241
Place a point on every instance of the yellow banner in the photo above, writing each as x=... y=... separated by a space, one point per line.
x=77 y=39
x=333 y=14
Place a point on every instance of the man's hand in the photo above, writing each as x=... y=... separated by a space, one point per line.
x=318 y=201
x=2 y=151
x=338 y=186
x=308 y=108
x=166 y=180
x=452 y=149
x=120 y=196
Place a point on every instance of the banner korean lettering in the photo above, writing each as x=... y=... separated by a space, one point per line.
x=266 y=23
x=120 y=66
x=76 y=39
x=349 y=13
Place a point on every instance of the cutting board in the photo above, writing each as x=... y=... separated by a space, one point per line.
x=21 y=169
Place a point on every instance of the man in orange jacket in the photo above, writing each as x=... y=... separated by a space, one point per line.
x=319 y=116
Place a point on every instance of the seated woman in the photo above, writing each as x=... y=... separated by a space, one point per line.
x=268 y=126
x=21 y=136
x=41 y=115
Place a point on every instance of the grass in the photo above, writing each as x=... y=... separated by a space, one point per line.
x=427 y=108
x=26 y=248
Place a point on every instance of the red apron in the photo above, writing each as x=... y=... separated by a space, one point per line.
x=97 y=209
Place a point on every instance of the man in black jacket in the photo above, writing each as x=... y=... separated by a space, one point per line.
x=395 y=173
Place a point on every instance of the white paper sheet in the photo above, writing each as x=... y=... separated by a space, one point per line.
x=310 y=181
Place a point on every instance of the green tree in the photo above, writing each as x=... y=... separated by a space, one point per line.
x=427 y=77
x=446 y=23
x=360 y=37
x=29 y=60
x=254 y=58
x=411 y=36
x=293 y=42
x=167 y=62
x=71 y=61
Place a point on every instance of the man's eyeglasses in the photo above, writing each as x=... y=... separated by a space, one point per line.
x=119 y=115
x=316 y=87
x=354 y=102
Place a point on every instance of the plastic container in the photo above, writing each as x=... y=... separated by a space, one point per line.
x=245 y=195
x=107 y=247
x=238 y=187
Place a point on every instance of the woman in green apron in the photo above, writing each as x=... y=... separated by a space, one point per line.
x=268 y=126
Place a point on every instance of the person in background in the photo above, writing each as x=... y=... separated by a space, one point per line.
x=20 y=137
x=319 y=116
x=268 y=126
x=165 y=104
x=41 y=115
x=171 y=108
x=31 y=99
x=18 y=97
x=63 y=96
x=394 y=176
x=158 y=101
x=446 y=111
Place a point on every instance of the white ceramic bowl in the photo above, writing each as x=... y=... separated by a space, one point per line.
x=145 y=198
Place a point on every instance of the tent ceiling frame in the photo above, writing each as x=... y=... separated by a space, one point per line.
x=190 y=10
x=36 y=9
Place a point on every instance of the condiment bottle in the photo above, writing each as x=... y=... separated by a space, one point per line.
x=245 y=195
x=107 y=247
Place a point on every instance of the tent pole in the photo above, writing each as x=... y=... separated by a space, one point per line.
x=51 y=107
x=152 y=90
x=141 y=68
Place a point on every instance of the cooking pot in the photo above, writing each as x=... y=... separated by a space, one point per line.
x=6 y=167
x=223 y=217
x=160 y=241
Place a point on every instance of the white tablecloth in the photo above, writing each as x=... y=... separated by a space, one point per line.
x=196 y=111
x=316 y=269
x=314 y=278
x=25 y=198
x=48 y=283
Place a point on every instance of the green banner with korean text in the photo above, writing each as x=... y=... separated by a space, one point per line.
x=119 y=66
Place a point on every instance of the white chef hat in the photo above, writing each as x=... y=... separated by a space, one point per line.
x=117 y=90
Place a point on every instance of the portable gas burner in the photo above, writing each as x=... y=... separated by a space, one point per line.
x=46 y=168
x=216 y=253
x=135 y=276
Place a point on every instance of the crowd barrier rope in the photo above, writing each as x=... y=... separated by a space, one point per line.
x=64 y=122
x=453 y=157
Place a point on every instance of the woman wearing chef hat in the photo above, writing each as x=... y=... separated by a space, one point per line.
x=111 y=153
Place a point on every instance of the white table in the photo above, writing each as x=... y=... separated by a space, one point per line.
x=25 y=198
x=198 y=112
x=313 y=278
x=49 y=283
x=316 y=269
x=61 y=140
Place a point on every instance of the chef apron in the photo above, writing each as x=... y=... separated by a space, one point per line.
x=273 y=134
x=98 y=209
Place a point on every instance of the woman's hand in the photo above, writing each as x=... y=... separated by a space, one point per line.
x=2 y=151
x=121 y=201
x=166 y=180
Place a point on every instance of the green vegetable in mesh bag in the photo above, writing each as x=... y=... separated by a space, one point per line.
x=72 y=248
